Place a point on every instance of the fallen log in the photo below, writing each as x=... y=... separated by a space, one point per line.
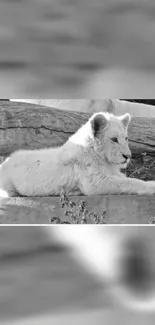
x=30 y=126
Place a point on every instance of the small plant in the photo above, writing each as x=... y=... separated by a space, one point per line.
x=152 y=220
x=77 y=213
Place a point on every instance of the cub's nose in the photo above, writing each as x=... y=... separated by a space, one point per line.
x=126 y=157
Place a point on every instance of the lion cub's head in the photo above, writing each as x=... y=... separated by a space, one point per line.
x=110 y=138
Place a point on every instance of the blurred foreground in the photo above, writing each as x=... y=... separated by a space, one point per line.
x=77 y=49
x=43 y=282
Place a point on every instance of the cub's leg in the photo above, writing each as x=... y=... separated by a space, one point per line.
x=97 y=185
x=7 y=189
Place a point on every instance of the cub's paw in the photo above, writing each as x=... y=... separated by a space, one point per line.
x=150 y=187
x=147 y=188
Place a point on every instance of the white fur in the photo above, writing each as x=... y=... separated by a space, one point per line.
x=85 y=164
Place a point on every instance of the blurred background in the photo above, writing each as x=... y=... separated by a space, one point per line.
x=77 y=48
x=41 y=283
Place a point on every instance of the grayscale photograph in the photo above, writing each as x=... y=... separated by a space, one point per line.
x=77 y=161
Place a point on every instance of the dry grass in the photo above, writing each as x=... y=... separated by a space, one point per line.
x=142 y=167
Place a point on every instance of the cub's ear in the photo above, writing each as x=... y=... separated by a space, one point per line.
x=98 y=123
x=125 y=119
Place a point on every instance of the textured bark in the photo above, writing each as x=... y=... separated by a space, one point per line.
x=30 y=126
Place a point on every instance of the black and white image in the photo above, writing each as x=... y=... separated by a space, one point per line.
x=77 y=161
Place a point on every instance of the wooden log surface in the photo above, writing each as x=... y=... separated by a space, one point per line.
x=118 y=209
x=30 y=126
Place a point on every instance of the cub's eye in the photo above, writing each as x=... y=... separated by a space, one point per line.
x=114 y=140
x=126 y=139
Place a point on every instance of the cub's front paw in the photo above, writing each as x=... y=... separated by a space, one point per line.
x=151 y=187
x=147 y=188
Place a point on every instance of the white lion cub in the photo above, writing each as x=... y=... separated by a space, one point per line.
x=89 y=163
